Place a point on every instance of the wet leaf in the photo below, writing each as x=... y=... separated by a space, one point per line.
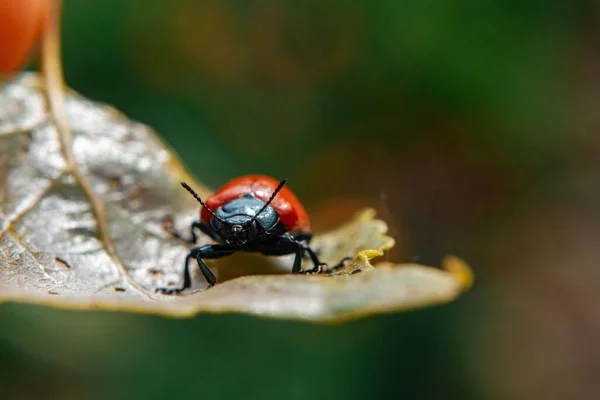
x=92 y=233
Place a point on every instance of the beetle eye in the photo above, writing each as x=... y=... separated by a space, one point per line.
x=216 y=224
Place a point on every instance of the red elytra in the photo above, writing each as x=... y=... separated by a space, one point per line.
x=291 y=213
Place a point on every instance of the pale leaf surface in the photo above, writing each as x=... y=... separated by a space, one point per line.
x=54 y=251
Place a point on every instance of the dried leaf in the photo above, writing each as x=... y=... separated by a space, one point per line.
x=92 y=235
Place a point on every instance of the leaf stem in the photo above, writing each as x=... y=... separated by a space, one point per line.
x=56 y=94
x=53 y=75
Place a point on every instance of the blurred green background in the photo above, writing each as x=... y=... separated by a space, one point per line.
x=471 y=126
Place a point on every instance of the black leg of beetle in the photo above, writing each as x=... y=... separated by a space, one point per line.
x=289 y=246
x=318 y=265
x=187 y=281
x=211 y=251
x=194 y=239
x=304 y=237
x=298 y=259
x=208 y=251
x=282 y=247
x=337 y=266
x=204 y=228
x=307 y=237
x=208 y=275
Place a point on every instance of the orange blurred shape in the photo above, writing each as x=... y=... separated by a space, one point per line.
x=21 y=22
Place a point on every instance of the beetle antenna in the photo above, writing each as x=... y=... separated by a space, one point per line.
x=281 y=184
x=197 y=197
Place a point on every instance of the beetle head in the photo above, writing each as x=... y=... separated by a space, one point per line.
x=237 y=230
x=239 y=233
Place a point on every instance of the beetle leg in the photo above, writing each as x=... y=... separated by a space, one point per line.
x=339 y=265
x=282 y=247
x=304 y=237
x=206 y=229
x=212 y=251
x=195 y=225
x=208 y=251
x=318 y=265
x=186 y=278
x=298 y=260
x=288 y=246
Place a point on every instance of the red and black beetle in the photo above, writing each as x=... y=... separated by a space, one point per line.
x=253 y=213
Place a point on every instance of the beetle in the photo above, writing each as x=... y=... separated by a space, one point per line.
x=252 y=213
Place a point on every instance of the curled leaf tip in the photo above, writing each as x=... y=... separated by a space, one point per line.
x=370 y=254
x=460 y=270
